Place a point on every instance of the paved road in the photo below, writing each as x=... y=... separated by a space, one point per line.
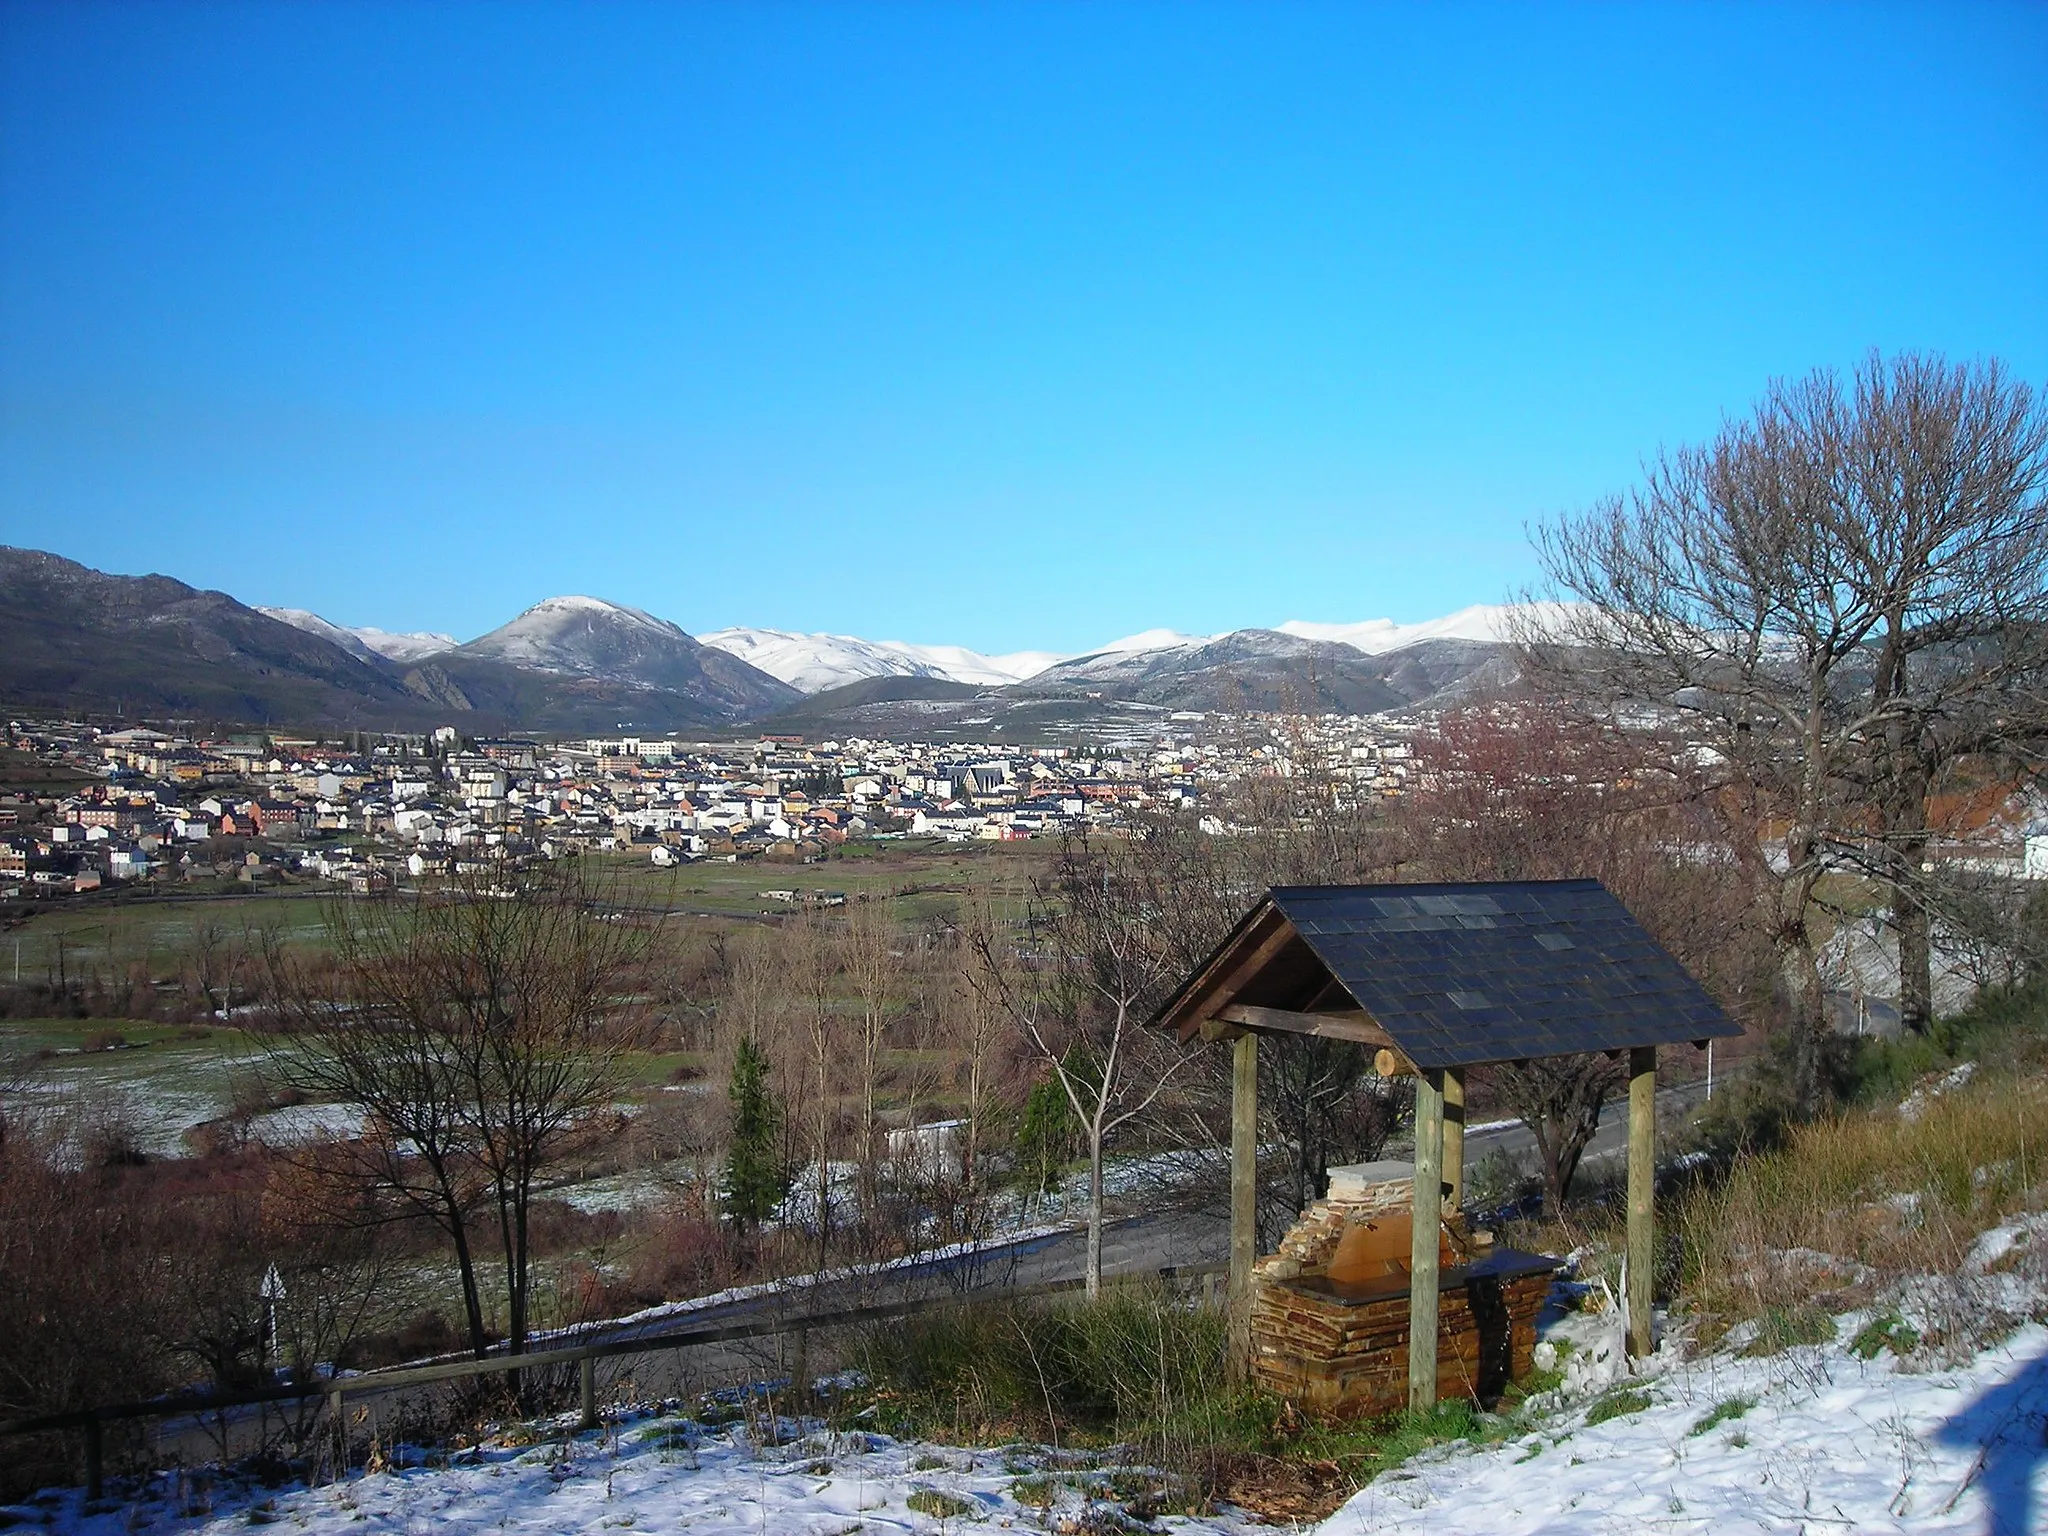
x=1609 y=1141
x=1136 y=1245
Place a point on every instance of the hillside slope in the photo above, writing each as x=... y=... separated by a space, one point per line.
x=608 y=643
x=74 y=640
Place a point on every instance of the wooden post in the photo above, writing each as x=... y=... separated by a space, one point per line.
x=340 y=1432
x=589 y=1365
x=1422 y=1273
x=1642 y=1194
x=1454 y=1139
x=95 y=1460
x=1244 y=1196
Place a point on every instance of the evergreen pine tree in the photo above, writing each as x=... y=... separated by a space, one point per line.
x=1048 y=1133
x=754 y=1185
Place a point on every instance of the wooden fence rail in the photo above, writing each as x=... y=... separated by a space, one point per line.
x=92 y=1421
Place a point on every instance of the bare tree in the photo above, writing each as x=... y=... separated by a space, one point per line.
x=478 y=1027
x=1081 y=1000
x=812 y=967
x=871 y=965
x=1836 y=598
x=975 y=1024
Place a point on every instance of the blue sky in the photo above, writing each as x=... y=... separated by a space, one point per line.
x=995 y=326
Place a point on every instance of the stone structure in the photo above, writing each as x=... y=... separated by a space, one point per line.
x=1329 y=1308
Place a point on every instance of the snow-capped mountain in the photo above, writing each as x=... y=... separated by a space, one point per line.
x=813 y=663
x=589 y=637
x=365 y=642
x=405 y=645
x=1483 y=621
x=585 y=637
x=742 y=670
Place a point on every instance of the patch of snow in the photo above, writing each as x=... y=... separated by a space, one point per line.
x=815 y=662
x=365 y=641
x=1832 y=1443
x=1915 y=1104
x=1483 y=621
x=1994 y=1248
x=648 y=1473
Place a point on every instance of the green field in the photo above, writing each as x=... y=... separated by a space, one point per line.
x=157 y=929
x=163 y=1078
x=172 y=1076
x=919 y=878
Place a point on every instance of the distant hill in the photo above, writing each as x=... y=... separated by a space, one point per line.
x=589 y=638
x=817 y=663
x=77 y=640
x=366 y=643
x=1263 y=669
x=73 y=639
x=874 y=706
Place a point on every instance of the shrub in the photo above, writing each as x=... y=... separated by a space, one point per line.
x=1615 y=1404
x=1135 y=1357
x=940 y=1506
x=1891 y=1196
x=1780 y=1328
x=1729 y=1408
x=1887 y=1332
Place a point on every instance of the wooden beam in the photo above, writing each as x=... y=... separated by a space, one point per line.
x=1355 y=1025
x=1244 y=1198
x=1389 y=1062
x=1225 y=982
x=1642 y=1195
x=1454 y=1139
x=1422 y=1271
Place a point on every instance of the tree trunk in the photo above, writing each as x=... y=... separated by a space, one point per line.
x=1916 y=953
x=1094 y=1275
x=472 y=1301
x=1554 y=1176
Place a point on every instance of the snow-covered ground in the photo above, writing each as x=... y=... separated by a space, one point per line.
x=1816 y=1439
x=1829 y=1442
x=659 y=1473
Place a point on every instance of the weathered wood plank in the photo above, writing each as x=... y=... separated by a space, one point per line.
x=1422 y=1269
x=1454 y=1139
x=1244 y=1195
x=1354 y=1025
x=1230 y=971
x=1642 y=1195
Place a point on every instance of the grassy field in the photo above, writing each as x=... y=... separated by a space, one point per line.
x=919 y=878
x=158 y=930
x=172 y=1077
x=163 y=1079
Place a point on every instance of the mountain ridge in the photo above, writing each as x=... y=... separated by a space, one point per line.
x=72 y=638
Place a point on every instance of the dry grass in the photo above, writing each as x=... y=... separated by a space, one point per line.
x=1869 y=1206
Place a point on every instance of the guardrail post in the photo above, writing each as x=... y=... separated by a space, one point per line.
x=95 y=1459
x=589 y=1364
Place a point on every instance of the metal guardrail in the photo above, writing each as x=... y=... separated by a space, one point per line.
x=93 y=1421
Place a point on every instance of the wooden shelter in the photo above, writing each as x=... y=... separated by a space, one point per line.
x=1437 y=979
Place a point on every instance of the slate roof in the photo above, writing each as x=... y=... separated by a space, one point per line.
x=1497 y=971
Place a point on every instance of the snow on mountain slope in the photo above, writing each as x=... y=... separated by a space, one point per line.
x=1374 y=636
x=1483 y=621
x=814 y=663
x=587 y=637
x=365 y=642
x=1151 y=640
x=578 y=635
x=407 y=645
